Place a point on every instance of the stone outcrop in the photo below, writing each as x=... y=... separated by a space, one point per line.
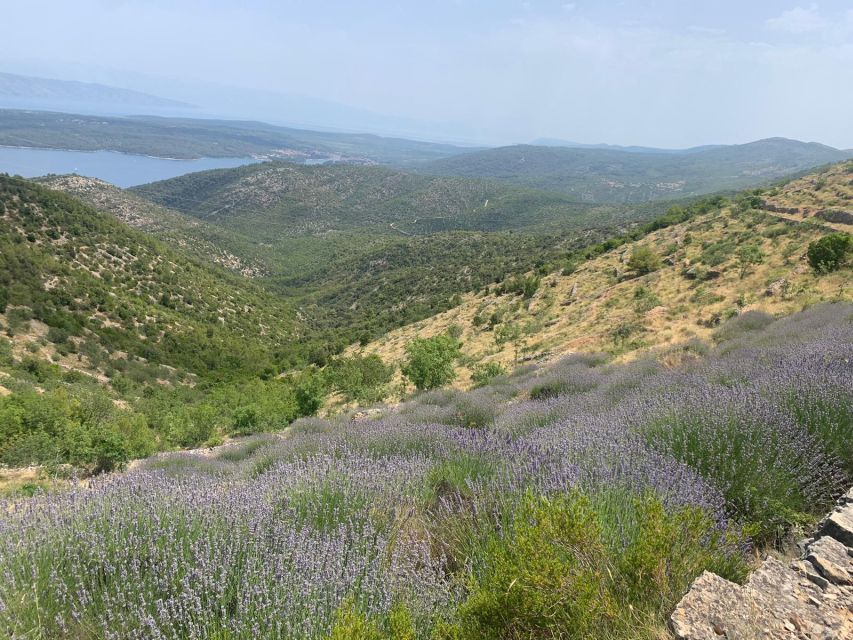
x=769 y=206
x=810 y=597
x=776 y=287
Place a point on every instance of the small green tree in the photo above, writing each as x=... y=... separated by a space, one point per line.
x=430 y=361
x=643 y=260
x=361 y=378
x=309 y=396
x=747 y=256
x=483 y=374
x=831 y=252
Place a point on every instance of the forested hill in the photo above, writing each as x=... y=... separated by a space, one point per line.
x=97 y=288
x=206 y=242
x=284 y=199
x=606 y=175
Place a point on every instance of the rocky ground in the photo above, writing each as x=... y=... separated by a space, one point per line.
x=809 y=598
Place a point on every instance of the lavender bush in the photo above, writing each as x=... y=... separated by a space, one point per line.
x=370 y=522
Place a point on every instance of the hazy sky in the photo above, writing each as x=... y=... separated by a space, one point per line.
x=666 y=73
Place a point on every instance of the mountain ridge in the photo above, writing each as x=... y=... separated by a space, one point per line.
x=608 y=175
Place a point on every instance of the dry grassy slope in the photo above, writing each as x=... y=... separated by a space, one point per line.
x=815 y=194
x=582 y=311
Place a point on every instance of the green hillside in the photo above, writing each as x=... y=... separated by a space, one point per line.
x=366 y=249
x=605 y=175
x=91 y=279
x=272 y=200
x=195 y=138
x=206 y=242
x=115 y=345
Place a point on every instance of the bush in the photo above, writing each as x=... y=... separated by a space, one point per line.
x=246 y=420
x=360 y=378
x=350 y=624
x=831 y=252
x=563 y=568
x=109 y=450
x=190 y=426
x=483 y=374
x=430 y=361
x=643 y=260
x=309 y=397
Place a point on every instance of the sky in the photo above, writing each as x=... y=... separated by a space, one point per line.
x=666 y=73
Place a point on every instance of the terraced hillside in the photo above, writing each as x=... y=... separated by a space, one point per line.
x=702 y=271
x=606 y=175
x=827 y=196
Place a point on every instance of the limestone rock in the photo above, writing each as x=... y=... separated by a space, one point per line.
x=776 y=287
x=811 y=597
x=702 y=613
x=832 y=560
x=839 y=525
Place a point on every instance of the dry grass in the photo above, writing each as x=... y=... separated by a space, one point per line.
x=582 y=311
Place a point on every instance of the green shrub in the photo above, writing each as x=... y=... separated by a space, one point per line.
x=109 y=450
x=190 y=426
x=246 y=420
x=309 y=396
x=645 y=300
x=430 y=361
x=547 y=575
x=360 y=378
x=716 y=253
x=350 y=624
x=452 y=476
x=483 y=374
x=643 y=260
x=831 y=252
x=562 y=568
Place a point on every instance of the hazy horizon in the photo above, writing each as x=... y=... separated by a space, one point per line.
x=663 y=74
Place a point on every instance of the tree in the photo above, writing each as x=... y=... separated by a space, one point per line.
x=643 y=260
x=359 y=377
x=830 y=253
x=747 y=256
x=430 y=361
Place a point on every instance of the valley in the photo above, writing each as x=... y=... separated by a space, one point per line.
x=426 y=321
x=357 y=400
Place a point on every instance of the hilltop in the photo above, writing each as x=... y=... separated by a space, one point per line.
x=600 y=304
x=608 y=175
x=285 y=199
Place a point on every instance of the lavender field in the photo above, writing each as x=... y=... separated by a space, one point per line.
x=583 y=513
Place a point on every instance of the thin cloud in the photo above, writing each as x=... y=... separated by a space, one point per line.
x=797 y=20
